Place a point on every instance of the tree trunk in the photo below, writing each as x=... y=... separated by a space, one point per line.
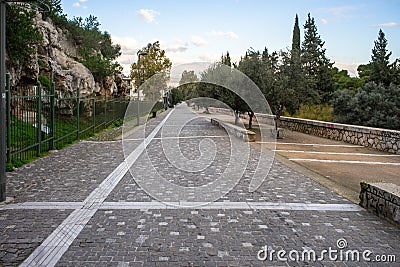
x=236 y=117
x=251 y=114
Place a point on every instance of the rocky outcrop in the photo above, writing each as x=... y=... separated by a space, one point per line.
x=57 y=54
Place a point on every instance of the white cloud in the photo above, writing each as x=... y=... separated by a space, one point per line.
x=388 y=24
x=324 y=21
x=79 y=4
x=198 y=41
x=148 y=15
x=129 y=45
x=129 y=48
x=229 y=34
x=340 y=11
x=177 y=47
x=209 y=57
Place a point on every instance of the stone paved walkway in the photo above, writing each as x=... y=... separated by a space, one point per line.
x=83 y=206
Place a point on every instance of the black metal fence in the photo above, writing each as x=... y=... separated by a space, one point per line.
x=38 y=120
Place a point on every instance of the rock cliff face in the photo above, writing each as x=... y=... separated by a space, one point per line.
x=58 y=54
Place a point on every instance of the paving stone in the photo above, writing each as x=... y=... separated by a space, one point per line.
x=181 y=237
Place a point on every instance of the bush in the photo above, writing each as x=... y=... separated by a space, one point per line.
x=372 y=105
x=321 y=112
x=44 y=81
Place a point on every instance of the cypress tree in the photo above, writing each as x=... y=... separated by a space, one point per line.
x=296 y=39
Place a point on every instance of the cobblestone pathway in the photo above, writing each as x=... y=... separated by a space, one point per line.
x=83 y=206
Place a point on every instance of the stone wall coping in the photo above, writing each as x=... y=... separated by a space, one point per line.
x=388 y=187
x=340 y=126
x=332 y=125
x=382 y=199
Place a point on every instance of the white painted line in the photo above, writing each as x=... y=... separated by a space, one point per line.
x=191 y=137
x=300 y=144
x=155 y=205
x=337 y=153
x=347 y=161
x=43 y=206
x=304 y=206
x=182 y=137
x=58 y=242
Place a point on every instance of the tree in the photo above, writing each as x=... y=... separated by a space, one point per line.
x=175 y=96
x=96 y=50
x=343 y=81
x=372 y=105
x=293 y=75
x=154 y=63
x=188 y=84
x=295 y=55
x=226 y=60
x=381 y=71
x=22 y=36
x=316 y=66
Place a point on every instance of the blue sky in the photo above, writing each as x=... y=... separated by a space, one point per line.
x=201 y=30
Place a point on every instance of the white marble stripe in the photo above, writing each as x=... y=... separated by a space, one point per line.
x=181 y=137
x=337 y=153
x=346 y=161
x=228 y=205
x=55 y=245
x=301 y=144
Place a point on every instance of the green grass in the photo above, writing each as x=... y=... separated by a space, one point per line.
x=25 y=134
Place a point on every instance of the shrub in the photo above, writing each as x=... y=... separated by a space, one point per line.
x=321 y=112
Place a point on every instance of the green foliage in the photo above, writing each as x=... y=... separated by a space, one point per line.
x=44 y=81
x=316 y=66
x=321 y=112
x=188 y=84
x=116 y=124
x=296 y=40
x=372 y=105
x=21 y=35
x=380 y=69
x=175 y=96
x=155 y=62
x=342 y=80
x=97 y=52
x=159 y=105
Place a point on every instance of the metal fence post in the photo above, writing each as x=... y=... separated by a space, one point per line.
x=105 y=111
x=77 y=113
x=94 y=114
x=113 y=108
x=39 y=119
x=3 y=176
x=52 y=113
x=8 y=118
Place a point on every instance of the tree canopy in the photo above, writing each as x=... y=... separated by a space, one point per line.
x=154 y=63
x=96 y=50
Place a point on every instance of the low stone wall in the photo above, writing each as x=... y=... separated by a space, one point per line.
x=237 y=131
x=380 y=139
x=382 y=199
x=224 y=111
